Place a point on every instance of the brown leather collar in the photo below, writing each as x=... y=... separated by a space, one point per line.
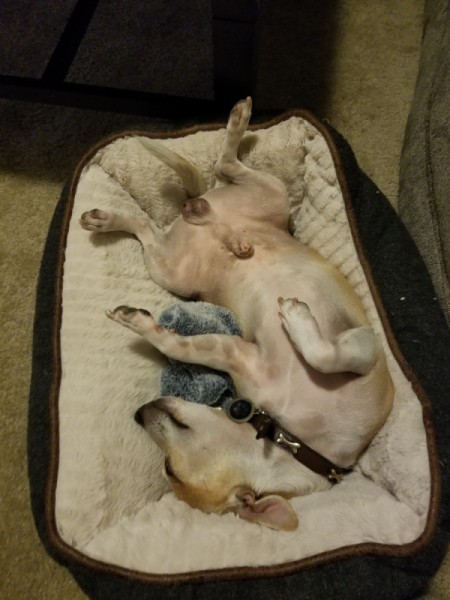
x=268 y=427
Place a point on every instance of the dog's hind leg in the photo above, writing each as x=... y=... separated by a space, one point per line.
x=101 y=221
x=152 y=240
x=265 y=194
x=228 y=167
x=354 y=350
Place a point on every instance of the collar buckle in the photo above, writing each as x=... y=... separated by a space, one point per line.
x=263 y=423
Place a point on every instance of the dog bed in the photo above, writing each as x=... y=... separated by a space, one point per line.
x=99 y=498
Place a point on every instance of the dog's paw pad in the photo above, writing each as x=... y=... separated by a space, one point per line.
x=136 y=318
x=96 y=220
x=129 y=310
x=241 y=113
x=95 y=213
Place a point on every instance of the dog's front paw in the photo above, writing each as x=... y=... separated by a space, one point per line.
x=291 y=306
x=297 y=321
x=137 y=319
x=293 y=313
x=97 y=220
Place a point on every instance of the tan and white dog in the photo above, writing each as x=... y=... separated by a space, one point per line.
x=307 y=356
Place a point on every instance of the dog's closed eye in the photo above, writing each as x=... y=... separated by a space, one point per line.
x=169 y=470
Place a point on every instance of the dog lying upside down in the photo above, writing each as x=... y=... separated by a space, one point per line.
x=308 y=356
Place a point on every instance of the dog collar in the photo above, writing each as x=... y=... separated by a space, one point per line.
x=244 y=411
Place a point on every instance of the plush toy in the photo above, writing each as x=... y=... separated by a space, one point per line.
x=197 y=383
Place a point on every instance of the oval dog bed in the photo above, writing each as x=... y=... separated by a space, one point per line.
x=99 y=497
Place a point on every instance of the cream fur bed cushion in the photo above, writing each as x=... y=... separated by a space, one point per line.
x=110 y=503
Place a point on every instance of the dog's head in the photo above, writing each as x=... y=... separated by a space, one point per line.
x=218 y=466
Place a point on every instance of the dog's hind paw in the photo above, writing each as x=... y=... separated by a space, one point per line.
x=97 y=220
x=240 y=114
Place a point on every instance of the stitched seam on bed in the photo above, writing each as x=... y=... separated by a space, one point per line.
x=435 y=491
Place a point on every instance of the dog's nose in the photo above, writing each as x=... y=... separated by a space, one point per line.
x=138 y=417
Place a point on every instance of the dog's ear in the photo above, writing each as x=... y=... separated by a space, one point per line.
x=272 y=511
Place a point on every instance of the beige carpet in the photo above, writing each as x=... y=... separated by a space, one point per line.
x=370 y=83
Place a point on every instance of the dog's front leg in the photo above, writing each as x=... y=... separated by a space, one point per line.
x=354 y=350
x=229 y=353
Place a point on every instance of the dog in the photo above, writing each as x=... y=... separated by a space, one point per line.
x=307 y=357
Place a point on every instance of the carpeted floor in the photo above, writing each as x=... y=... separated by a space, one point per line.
x=365 y=93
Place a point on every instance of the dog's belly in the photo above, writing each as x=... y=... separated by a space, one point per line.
x=331 y=413
x=289 y=389
x=335 y=413
x=254 y=285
